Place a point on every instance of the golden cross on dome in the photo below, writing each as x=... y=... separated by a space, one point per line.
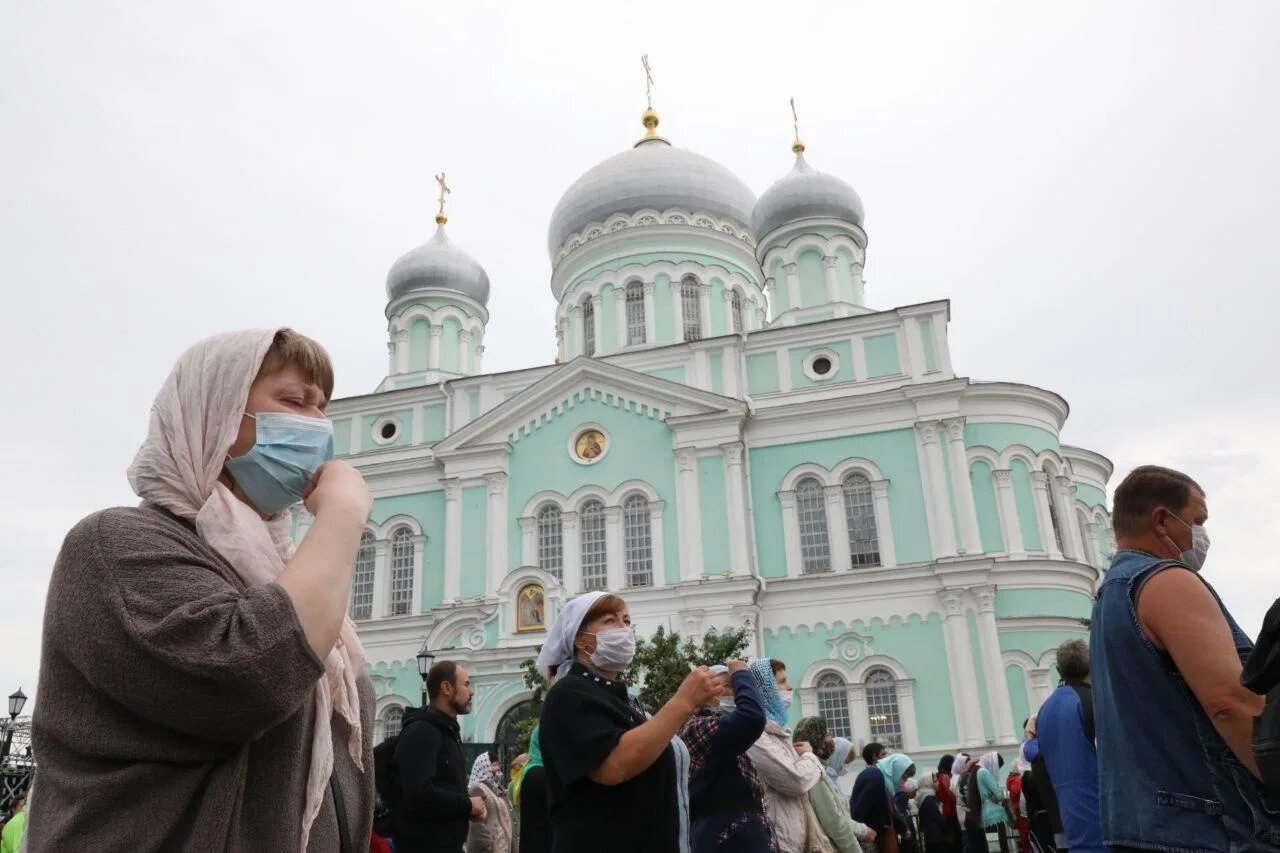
x=648 y=80
x=441 y=218
x=797 y=146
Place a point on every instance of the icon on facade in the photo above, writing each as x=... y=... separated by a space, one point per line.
x=590 y=445
x=531 y=609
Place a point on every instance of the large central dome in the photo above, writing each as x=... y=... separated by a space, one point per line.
x=655 y=176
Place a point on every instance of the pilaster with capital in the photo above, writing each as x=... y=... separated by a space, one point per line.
x=961 y=669
x=1040 y=491
x=452 y=540
x=938 y=504
x=433 y=348
x=528 y=540
x=993 y=664
x=620 y=316
x=704 y=296
x=650 y=319
x=735 y=498
x=884 y=530
x=615 y=576
x=791 y=533
x=677 y=310
x=688 y=514
x=970 y=539
x=829 y=278
x=597 y=323
x=496 y=527
x=793 y=284
x=838 y=529
x=1010 y=525
x=572 y=551
x=466 y=364
x=1073 y=544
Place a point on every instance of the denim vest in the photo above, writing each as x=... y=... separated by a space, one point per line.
x=1167 y=780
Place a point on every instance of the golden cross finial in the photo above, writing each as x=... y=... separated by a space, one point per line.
x=648 y=81
x=797 y=146
x=441 y=218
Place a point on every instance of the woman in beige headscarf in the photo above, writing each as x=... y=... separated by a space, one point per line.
x=200 y=685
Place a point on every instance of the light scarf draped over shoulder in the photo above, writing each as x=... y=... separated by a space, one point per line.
x=194 y=421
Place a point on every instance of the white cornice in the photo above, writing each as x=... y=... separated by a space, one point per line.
x=1089 y=466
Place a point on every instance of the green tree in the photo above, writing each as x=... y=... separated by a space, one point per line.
x=534 y=681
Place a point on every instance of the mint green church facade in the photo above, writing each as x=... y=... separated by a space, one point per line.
x=732 y=437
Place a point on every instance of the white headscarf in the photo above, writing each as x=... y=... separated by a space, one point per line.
x=991 y=763
x=926 y=787
x=558 y=649
x=194 y=421
x=481 y=769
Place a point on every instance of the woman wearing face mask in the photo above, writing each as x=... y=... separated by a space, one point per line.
x=788 y=771
x=843 y=833
x=838 y=764
x=220 y=688
x=613 y=776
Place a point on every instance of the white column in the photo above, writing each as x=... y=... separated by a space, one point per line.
x=1073 y=544
x=1039 y=688
x=965 y=508
x=941 y=531
x=884 y=530
x=727 y=293
x=859 y=286
x=433 y=349
x=907 y=714
x=477 y=362
x=597 y=321
x=838 y=529
x=391 y=355
x=650 y=320
x=357 y=434
x=615 y=575
x=528 y=541
x=496 y=524
x=689 y=515
x=416 y=431
x=620 y=314
x=1040 y=494
x=677 y=310
x=452 y=540
x=791 y=533
x=659 y=540
x=403 y=351
x=993 y=665
x=964 y=677
x=859 y=721
x=735 y=497
x=829 y=278
x=1099 y=560
x=915 y=347
x=793 y=284
x=466 y=364
x=381 y=578
x=573 y=347
x=859 y=358
x=561 y=355
x=572 y=566
x=704 y=295
x=731 y=364
x=771 y=290
x=1010 y=528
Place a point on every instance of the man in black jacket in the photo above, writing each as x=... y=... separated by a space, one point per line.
x=434 y=807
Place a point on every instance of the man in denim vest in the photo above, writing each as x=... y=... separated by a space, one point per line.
x=1176 y=765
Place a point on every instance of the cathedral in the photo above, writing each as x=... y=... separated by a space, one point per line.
x=731 y=437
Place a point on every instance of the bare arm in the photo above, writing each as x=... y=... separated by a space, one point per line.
x=318 y=578
x=1179 y=614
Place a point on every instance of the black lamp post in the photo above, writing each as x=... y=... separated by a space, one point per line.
x=16 y=703
x=425 y=659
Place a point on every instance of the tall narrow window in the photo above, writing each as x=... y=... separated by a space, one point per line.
x=691 y=308
x=815 y=543
x=860 y=516
x=595 y=558
x=833 y=704
x=882 y=708
x=635 y=313
x=588 y=326
x=362 y=581
x=391 y=720
x=637 y=541
x=402 y=554
x=551 y=541
x=1054 y=521
x=735 y=311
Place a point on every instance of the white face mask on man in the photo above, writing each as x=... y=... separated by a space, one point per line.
x=1195 y=557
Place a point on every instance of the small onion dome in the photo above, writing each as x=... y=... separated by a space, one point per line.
x=438 y=265
x=805 y=193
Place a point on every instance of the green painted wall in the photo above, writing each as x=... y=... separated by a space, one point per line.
x=762 y=373
x=1036 y=643
x=1016 y=681
x=1042 y=602
x=1000 y=436
x=717 y=373
x=913 y=643
x=979 y=669
x=882 y=355
x=433 y=423
x=1024 y=498
x=609 y=330
x=926 y=341
x=473 y=400
x=893 y=451
x=475 y=506
x=449 y=345
x=715 y=520
x=663 y=323
x=813 y=286
x=717 y=309
x=341 y=436
x=984 y=499
x=407 y=683
x=404 y=416
x=428 y=509
x=669 y=249
x=843 y=372
x=641 y=451
x=671 y=374
x=419 y=344
x=1091 y=495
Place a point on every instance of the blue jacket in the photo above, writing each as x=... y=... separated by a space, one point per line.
x=869 y=802
x=1067 y=744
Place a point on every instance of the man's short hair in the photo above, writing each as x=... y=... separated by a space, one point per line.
x=1146 y=488
x=440 y=672
x=871 y=752
x=1073 y=660
x=290 y=349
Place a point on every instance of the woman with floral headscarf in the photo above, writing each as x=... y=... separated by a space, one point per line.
x=788 y=771
x=494 y=834
x=844 y=833
x=194 y=662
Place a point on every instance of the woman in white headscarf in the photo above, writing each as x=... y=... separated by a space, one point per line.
x=494 y=834
x=200 y=684
x=614 y=780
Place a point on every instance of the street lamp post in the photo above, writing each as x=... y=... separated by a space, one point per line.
x=425 y=659
x=16 y=703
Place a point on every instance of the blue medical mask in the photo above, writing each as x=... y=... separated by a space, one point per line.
x=288 y=450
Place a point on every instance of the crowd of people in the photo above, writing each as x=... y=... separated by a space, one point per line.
x=219 y=699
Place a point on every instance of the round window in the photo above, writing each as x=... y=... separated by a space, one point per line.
x=822 y=365
x=388 y=431
x=385 y=430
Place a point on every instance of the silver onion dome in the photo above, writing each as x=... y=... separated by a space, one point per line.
x=804 y=193
x=653 y=175
x=438 y=265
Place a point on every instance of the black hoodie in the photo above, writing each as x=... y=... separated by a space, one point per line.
x=434 y=806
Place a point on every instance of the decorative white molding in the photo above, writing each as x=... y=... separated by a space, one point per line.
x=647 y=217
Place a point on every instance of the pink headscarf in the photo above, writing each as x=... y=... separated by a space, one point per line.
x=194 y=421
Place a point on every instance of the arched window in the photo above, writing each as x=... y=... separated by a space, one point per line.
x=391 y=720
x=551 y=541
x=833 y=704
x=401 y=571
x=860 y=516
x=883 y=718
x=588 y=326
x=811 y=510
x=1054 y=521
x=635 y=313
x=637 y=541
x=691 y=308
x=735 y=311
x=362 y=581
x=591 y=533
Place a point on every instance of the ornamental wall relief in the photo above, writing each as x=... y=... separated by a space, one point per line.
x=850 y=647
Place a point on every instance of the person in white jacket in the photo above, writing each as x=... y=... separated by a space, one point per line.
x=788 y=771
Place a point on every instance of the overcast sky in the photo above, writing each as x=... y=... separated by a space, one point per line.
x=1092 y=184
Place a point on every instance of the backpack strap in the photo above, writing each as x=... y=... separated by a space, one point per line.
x=340 y=809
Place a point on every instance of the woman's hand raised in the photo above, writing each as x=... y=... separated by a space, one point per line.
x=338 y=487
